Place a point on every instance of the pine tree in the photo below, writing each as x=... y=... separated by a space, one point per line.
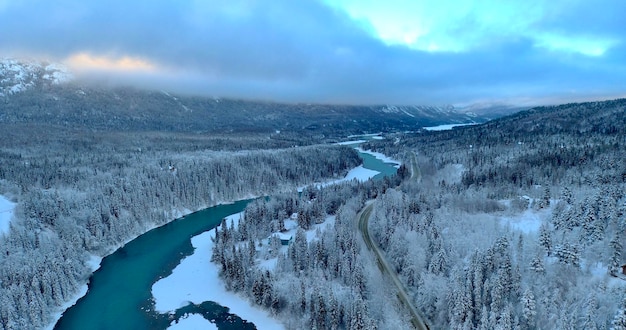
x=591 y=312
x=566 y=195
x=528 y=308
x=568 y=254
x=619 y=321
x=545 y=238
x=536 y=265
x=358 y=320
x=616 y=255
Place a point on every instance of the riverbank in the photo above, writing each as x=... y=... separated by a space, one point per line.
x=196 y=280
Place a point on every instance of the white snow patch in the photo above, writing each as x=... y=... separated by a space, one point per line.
x=528 y=221
x=196 y=280
x=598 y=270
x=7 y=209
x=345 y=143
x=360 y=173
x=364 y=135
x=234 y=218
x=311 y=234
x=269 y=264
x=446 y=127
x=94 y=263
x=192 y=322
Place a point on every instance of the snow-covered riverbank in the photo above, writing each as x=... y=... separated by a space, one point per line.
x=196 y=280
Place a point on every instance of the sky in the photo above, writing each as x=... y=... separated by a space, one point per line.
x=460 y=52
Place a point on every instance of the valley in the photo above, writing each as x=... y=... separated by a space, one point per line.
x=516 y=222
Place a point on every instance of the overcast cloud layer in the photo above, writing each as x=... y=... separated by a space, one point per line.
x=348 y=51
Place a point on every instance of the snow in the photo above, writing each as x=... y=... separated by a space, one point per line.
x=7 y=209
x=378 y=155
x=364 y=135
x=528 y=221
x=234 y=218
x=446 y=127
x=192 y=322
x=196 y=280
x=360 y=173
x=311 y=234
x=19 y=76
x=93 y=263
x=269 y=264
x=598 y=270
x=345 y=143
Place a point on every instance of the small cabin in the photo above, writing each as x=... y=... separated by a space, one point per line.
x=623 y=269
x=285 y=238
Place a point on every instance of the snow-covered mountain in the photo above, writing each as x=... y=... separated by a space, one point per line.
x=35 y=93
x=17 y=76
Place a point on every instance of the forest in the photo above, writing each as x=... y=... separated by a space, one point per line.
x=82 y=193
x=516 y=224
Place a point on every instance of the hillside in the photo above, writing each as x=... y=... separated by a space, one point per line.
x=41 y=93
x=520 y=219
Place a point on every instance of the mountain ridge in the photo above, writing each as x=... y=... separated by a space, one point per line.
x=45 y=93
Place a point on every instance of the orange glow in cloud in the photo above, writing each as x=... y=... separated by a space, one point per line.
x=84 y=61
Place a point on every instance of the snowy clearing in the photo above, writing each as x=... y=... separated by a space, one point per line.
x=7 y=209
x=446 y=127
x=528 y=221
x=192 y=322
x=360 y=173
x=196 y=280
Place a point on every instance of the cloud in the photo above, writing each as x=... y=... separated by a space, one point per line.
x=310 y=51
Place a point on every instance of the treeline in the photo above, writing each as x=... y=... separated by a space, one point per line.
x=79 y=196
x=322 y=279
x=451 y=238
x=573 y=144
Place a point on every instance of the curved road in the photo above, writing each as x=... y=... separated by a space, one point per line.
x=383 y=265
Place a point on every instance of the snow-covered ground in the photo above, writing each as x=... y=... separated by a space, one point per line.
x=7 y=209
x=446 y=127
x=192 y=322
x=528 y=221
x=359 y=173
x=196 y=280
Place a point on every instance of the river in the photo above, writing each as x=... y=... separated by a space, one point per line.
x=119 y=295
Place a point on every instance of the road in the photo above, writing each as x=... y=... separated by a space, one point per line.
x=386 y=269
x=416 y=174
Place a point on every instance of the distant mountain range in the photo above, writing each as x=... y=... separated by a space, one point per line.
x=42 y=93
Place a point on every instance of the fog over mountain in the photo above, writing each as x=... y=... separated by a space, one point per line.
x=43 y=93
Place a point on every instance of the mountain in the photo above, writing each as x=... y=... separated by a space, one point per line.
x=42 y=93
x=19 y=76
